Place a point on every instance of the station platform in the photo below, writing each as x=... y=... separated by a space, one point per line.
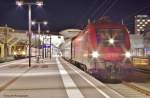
x=53 y=78
x=10 y=58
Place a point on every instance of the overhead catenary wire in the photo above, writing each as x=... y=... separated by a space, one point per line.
x=137 y=11
x=104 y=9
x=109 y=8
x=90 y=9
x=128 y=17
x=108 y=5
x=97 y=10
x=87 y=12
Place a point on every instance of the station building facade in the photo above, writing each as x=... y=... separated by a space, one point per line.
x=8 y=39
x=141 y=39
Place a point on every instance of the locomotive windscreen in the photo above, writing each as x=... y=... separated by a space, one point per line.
x=107 y=37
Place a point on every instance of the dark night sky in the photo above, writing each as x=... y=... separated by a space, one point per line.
x=62 y=14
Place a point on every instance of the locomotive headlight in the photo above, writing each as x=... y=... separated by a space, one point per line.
x=23 y=52
x=15 y=53
x=128 y=54
x=111 y=41
x=95 y=54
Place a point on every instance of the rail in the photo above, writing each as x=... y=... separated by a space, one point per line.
x=146 y=92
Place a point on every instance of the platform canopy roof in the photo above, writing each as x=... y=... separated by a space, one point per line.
x=13 y=36
x=70 y=33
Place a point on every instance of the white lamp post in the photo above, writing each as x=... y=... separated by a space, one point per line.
x=21 y=3
x=39 y=23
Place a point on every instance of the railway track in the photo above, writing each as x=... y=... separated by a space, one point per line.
x=128 y=90
x=143 y=71
x=136 y=87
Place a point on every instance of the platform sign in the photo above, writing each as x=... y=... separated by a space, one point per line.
x=45 y=46
x=147 y=51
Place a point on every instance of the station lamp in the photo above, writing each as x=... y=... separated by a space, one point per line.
x=33 y=22
x=39 y=22
x=39 y=3
x=19 y=3
x=45 y=22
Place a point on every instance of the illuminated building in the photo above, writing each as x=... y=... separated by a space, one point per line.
x=141 y=22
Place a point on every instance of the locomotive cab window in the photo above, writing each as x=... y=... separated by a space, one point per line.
x=108 y=37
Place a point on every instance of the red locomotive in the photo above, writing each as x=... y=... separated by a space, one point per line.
x=101 y=45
